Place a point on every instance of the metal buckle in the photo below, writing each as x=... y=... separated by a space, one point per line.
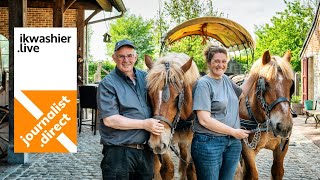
x=140 y=146
x=135 y=146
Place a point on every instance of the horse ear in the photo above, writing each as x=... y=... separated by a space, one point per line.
x=287 y=56
x=187 y=65
x=148 y=61
x=266 y=57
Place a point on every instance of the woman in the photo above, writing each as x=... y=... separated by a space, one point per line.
x=216 y=145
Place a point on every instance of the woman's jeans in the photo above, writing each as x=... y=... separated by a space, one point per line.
x=215 y=157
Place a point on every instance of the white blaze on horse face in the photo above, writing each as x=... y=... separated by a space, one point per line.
x=284 y=106
x=279 y=84
x=160 y=100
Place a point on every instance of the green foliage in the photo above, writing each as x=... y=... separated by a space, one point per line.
x=136 y=29
x=183 y=10
x=287 y=31
x=192 y=46
x=107 y=65
x=92 y=69
x=176 y=12
x=296 y=99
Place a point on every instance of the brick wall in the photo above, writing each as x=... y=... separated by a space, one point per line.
x=313 y=53
x=4 y=22
x=37 y=17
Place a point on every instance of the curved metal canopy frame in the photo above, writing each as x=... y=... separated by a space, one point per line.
x=229 y=33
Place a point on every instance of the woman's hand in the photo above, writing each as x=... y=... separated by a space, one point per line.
x=240 y=133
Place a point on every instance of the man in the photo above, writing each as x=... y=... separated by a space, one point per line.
x=125 y=118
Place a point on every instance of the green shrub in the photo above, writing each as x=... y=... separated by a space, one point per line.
x=296 y=99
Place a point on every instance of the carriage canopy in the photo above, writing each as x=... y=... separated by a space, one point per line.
x=229 y=33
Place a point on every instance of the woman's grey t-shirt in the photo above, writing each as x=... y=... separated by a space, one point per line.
x=220 y=97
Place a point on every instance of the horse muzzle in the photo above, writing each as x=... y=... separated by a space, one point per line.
x=282 y=130
x=160 y=144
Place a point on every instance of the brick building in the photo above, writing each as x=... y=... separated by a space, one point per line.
x=310 y=61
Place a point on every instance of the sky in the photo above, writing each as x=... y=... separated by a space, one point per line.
x=247 y=13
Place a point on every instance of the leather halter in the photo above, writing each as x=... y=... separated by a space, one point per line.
x=266 y=107
x=166 y=96
x=253 y=124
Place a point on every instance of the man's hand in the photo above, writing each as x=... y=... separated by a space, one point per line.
x=154 y=126
x=240 y=133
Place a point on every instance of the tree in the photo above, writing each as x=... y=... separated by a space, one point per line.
x=136 y=29
x=176 y=12
x=287 y=31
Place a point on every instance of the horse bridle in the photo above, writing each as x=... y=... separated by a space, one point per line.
x=166 y=96
x=260 y=95
x=260 y=91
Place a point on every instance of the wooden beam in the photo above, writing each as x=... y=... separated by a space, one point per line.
x=15 y=20
x=80 y=45
x=106 y=5
x=58 y=10
x=91 y=16
x=68 y=4
x=24 y=13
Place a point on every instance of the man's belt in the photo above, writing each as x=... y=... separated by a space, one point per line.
x=135 y=146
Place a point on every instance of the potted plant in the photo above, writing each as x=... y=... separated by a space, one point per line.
x=296 y=104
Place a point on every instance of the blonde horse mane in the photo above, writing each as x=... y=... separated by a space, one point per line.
x=156 y=77
x=270 y=70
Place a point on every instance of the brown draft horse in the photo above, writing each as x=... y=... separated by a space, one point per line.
x=269 y=114
x=170 y=80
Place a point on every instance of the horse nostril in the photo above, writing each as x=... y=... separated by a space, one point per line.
x=279 y=127
x=164 y=146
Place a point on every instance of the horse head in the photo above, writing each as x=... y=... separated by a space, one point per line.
x=270 y=96
x=170 y=82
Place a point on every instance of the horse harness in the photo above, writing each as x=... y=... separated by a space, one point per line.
x=165 y=98
x=257 y=127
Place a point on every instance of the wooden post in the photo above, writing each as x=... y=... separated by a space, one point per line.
x=80 y=45
x=17 y=18
x=58 y=10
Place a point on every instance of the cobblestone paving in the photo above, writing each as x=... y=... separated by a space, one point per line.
x=302 y=161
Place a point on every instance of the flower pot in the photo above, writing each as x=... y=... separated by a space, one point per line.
x=297 y=107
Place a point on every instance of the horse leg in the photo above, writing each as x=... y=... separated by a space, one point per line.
x=249 y=169
x=167 y=167
x=277 y=169
x=183 y=160
x=186 y=167
x=239 y=172
x=156 y=168
x=191 y=171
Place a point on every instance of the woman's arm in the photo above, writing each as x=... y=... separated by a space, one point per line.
x=216 y=126
x=248 y=83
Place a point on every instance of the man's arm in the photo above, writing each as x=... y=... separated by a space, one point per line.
x=120 y=122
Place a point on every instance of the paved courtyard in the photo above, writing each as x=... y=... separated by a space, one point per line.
x=301 y=162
